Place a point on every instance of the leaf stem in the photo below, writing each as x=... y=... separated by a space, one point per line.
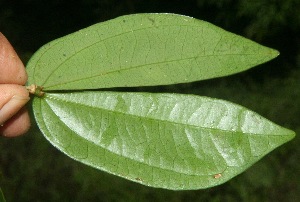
x=35 y=90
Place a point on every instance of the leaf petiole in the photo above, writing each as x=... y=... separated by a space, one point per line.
x=35 y=90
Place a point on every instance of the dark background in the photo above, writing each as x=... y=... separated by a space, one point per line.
x=33 y=170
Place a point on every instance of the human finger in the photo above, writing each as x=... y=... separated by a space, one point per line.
x=17 y=125
x=12 y=99
x=12 y=70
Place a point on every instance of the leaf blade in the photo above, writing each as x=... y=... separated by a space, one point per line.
x=161 y=140
x=143 y=50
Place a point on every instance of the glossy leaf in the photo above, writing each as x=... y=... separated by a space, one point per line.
x=143 y=50
x=171 y=141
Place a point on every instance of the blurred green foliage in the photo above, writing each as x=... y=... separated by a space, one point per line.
x=33 y=170
x=264 y=17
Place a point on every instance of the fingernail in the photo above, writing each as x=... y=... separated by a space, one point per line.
x=12 y=107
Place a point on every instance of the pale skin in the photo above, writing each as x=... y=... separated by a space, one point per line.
x=14 y=117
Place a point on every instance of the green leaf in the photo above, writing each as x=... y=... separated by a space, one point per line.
x=2 y=199
x=143 y=50
x=170 y=141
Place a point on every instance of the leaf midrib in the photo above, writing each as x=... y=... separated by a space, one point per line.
x=133 y=67
x=140 y=66
x=154 y=119
x=102 y=40
x=142 y=162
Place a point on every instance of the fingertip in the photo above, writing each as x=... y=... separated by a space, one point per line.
x=11 y=66
x=18 y=125
x=12 y=113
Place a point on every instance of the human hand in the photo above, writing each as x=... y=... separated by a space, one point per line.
x=14 y=118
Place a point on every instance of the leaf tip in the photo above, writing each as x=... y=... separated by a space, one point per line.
x=275 y=53
x=292 y=134
x=289 y=134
